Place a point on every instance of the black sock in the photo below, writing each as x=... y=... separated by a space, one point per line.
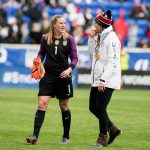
x=39 y=118
x=66 y=118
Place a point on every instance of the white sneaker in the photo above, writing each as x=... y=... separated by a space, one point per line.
x=64 y=141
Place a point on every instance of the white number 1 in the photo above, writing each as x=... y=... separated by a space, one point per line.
x=55 y=50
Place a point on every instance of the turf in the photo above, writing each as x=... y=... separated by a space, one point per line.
x=129 y=109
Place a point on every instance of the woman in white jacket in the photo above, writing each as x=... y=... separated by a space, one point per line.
x=104 y=46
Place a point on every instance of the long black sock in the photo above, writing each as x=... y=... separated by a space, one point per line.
x=66 y=118
x=39 y=118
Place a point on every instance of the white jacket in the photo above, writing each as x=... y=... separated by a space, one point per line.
x=107 y=69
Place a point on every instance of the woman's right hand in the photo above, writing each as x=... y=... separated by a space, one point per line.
x=45 y=36
x=92 y=32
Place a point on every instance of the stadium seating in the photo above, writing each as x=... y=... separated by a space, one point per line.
x=115 y=8
x=94 y=5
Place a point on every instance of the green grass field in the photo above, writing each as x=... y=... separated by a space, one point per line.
x=129 y=109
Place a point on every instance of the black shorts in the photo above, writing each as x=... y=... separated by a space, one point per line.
x=59 y=88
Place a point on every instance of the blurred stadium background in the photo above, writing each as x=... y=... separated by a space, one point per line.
x=22 y=23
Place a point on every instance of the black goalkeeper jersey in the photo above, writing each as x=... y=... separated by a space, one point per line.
x=58 y=54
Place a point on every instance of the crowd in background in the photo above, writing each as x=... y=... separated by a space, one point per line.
x=24 y=21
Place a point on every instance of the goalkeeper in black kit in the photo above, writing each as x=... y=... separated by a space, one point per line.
x=57 y=46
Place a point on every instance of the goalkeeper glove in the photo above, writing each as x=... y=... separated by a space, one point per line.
x=37 y=70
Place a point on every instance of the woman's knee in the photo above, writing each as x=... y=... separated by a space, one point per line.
x=63 y=105
x=102 y=113
x=92 y=110
x=43 y=103
x=42 y=106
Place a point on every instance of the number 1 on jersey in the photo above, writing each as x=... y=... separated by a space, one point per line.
x=55 y=50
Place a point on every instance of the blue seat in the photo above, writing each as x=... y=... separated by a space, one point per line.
x=95 y=5
x=54 y=11
x=114 y=5
x=26 y=19
x=106 y=6
x=81 y=5
x=142 y=32
x=115 y=14
x=142 y=23
x=131 y=21
x=127 y=5
x=11 y=11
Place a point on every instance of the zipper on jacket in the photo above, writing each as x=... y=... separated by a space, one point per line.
x=93 y=71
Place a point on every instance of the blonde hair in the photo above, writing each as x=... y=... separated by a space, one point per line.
x=51 y=29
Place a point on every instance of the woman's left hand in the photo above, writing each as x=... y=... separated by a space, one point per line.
x=101 y=87
x=66 y=73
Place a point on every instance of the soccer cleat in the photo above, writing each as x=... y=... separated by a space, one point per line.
x=113 y=133
x=97 y=145
x=32 y=139
x=64 y=141
x=101 y=141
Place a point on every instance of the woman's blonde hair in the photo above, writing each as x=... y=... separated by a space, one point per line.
x=51 y=29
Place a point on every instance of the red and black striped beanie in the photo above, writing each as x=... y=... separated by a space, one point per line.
x=104 y=19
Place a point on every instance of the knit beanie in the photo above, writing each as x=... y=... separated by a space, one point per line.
x=104 y=19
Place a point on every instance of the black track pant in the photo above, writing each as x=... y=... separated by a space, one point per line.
x=98 y=103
